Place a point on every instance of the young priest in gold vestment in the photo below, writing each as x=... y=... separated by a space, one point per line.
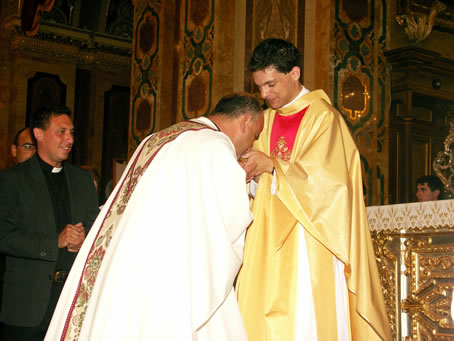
x=309 y=270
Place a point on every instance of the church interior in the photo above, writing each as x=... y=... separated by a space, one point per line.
x=128 y=68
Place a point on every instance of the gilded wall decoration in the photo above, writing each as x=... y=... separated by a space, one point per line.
x=444 y=20
x=273 y=19
x=174 y=70
x=144 y=71
x=443 y=164
x=277 y=19
x=196 y=67
x=387 y=255
x=414 y=247
x=361 y=83
x=419 y=27
x=431 y=274
x=354 y=97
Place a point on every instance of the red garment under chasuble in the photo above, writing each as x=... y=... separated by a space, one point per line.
x=283 y=134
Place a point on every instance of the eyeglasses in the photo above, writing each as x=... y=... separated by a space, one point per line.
x=27 y=146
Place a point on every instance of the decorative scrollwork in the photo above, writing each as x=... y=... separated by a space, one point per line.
x=412 y=304
x=444 y=162
x=387 y=267
x=410 y=244
x=418 y=26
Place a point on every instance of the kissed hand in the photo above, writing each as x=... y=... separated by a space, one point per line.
x=256 y=163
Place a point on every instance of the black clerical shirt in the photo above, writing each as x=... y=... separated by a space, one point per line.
x=59 y=195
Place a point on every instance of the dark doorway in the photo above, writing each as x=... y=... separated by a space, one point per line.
x=44 y=89
x=115 y=133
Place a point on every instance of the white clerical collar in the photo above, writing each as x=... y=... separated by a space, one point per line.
x=208 y=122
x=302 y=93
x=57 y=170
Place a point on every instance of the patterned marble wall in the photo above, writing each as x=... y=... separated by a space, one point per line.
x=199 y=67
x=145 y=78
x=196 y=67
x=361 y=86
x=182 y=61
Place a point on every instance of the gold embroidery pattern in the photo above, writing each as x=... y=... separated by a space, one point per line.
x=281 y=150
x=98 y=250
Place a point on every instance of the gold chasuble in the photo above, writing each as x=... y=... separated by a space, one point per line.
x=319 y=187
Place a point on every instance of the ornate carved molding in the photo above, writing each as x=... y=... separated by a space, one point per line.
x=431 y=285
x=77 y=45
x=444 y=21
x=418 y=26
x=415 y=258
x=444 y=162
x=388 y=265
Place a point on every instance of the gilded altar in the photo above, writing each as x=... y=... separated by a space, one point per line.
x=414 y=246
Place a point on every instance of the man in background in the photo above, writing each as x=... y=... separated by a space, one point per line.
x=309 y=269
x=22 y=149
x=428 y=188
x=23 y=146
x=161 y=259
x=46 y=208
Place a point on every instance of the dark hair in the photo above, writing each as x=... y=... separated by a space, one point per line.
x=16 y=138
x=432 y=181
x=237 y=104
x=281 y=54
x=41 y=116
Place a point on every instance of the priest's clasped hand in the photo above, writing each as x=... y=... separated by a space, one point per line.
x=72 y=237
x=256 y=163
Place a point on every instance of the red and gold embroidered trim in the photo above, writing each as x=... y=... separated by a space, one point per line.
x=145 y=156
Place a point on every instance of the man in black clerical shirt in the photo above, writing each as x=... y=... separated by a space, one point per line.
x=46 y=209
